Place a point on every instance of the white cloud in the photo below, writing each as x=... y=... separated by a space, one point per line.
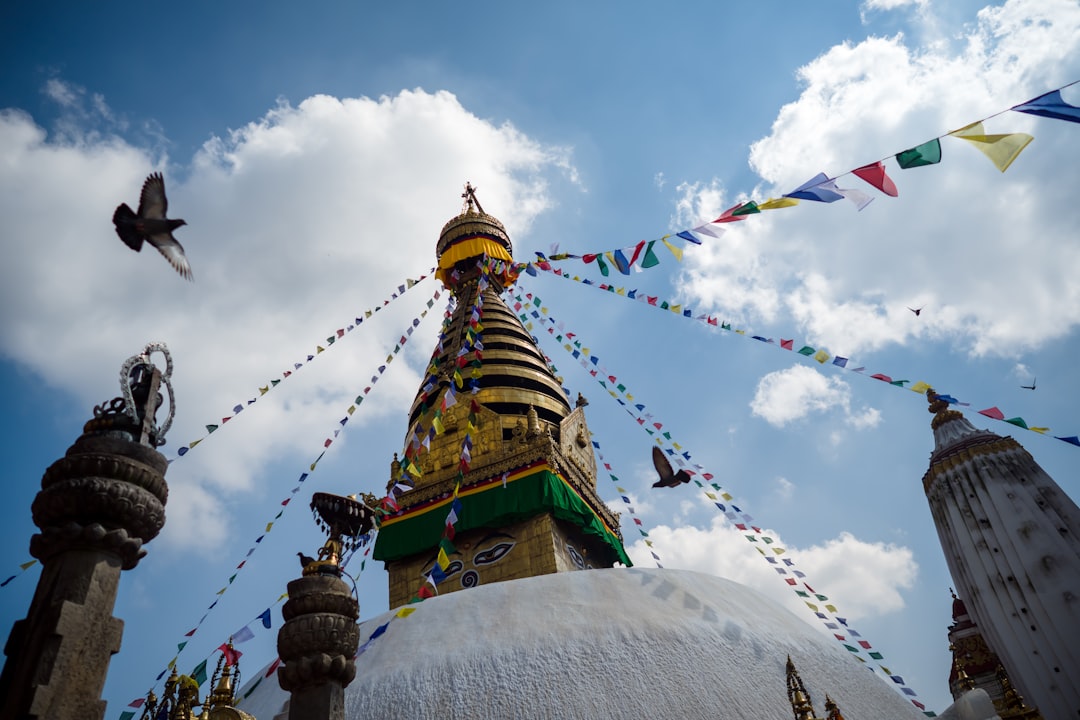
x=862 y=579
x=979 y=248
x=297 y=221
x=785 y=489
x=785 y=396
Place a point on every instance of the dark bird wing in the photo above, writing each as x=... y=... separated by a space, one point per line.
x=668 y=478
x=124 y=219
x=153 y=203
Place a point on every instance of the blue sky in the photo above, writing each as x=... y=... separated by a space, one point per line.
x=316 y=155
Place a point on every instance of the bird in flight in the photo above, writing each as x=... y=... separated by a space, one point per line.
x=668 y=478
x=151 y=225
x=917 y=310
x=1031 y=386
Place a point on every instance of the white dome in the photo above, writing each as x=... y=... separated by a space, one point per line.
x=612 y=643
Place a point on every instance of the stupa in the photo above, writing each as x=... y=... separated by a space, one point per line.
x=494 y=508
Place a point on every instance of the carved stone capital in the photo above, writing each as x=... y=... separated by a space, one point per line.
x=106 y=493
x=318 y=642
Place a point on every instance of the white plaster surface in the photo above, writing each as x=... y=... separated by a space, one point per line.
x=611 y=643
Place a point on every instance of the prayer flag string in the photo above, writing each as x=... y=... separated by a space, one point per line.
x=1000 y=149
x=339 y=426
x=820 y=355
x=319 y=349
x=766 y=545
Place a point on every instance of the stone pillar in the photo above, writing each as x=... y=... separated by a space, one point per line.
x=98 y=505
x=317 y=646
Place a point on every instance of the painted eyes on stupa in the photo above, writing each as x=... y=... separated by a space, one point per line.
x=492 y=554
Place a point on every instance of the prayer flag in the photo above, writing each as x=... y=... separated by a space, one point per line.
x=776 y=204
x=688 y=236
x=677 y=252
x=199 y=673
x=874 y=174
x=992 y=412
x=1050 y=105
x=1001 y=149
x=231 y=654
x=265 y=617
x=929 y=153
x=816 y=189
x=242 y=635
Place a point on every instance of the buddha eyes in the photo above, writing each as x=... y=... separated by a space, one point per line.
x=492 y=554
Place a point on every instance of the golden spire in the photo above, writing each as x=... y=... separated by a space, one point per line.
x=832 y=711
x=797 y=694
x=962 y=679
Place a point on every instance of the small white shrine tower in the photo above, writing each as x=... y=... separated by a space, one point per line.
x=1010 y=537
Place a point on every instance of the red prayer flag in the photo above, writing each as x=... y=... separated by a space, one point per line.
x=787 y=344
x=231 y=654
x=728 y=216
x=273 y=667
x=992 y=412
x=874 y=174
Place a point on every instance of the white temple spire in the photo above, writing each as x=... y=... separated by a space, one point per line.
x=1009 y=535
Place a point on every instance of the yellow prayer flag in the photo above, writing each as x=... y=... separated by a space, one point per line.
x=27 y=564
x=778 y=550
x=629 y=397
x=544 y=310
x=1001 y=149
x=264 y=390
x=919 y=387
x=1040 y=430
x=585 y=351
x=675 y=308
x=436 y=423
x=776 y=204
x=222 y=590
x=831 y=608
x=319 y=349
x=172 y=664
x=405 y=612
x=812 y=606
x=351 y=410
x=710 y=496
x=821 y=356
x=726 y=497
x=620 y=291
x=443 y=560
x=268 y=526
x=193 y=444
x=677 y=252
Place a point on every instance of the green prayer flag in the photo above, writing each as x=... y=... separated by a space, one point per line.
x=929 y=153
x=199 y=673
x=650 y=259
x=602 y=265
x=876 y=656
x=749 y=208
x=1018 y=421
x=806 y=350
x=128 y=715
x=180 y=646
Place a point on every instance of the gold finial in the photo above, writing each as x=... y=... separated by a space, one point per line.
x=832 y=711
x=962 y=679
x=470 y=199
x=1014 y=702
x=797 y=694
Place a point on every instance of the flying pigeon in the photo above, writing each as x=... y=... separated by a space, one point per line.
x=663 y=469
x=1031 y=386
x=305 y=560
x=151 y=225
x=917 y=310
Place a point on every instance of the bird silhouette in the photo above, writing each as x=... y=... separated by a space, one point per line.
x=1031 y=386
x=668 y=478
x=305 y=560
x=151 y=225
x=917 y=310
